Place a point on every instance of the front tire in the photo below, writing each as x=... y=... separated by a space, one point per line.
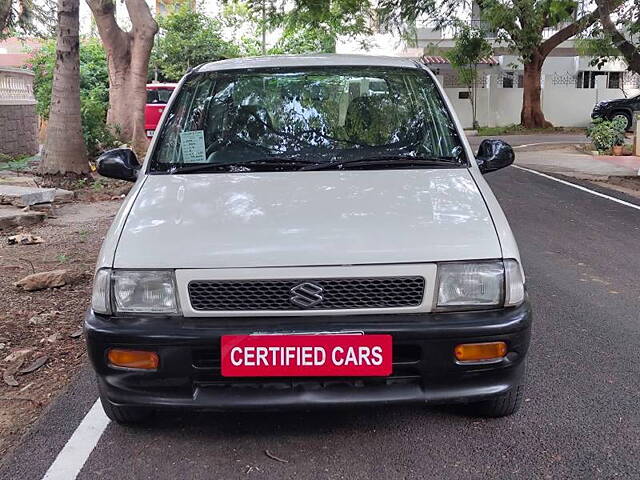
x=502 y=405
x=123 y=415
x=624 y=115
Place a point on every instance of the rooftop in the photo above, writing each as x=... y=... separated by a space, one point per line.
x=326 y=60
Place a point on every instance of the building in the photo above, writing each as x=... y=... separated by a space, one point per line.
x=570 y=84
x=15 y=52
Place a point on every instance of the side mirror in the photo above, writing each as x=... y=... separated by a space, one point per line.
x=494 y=155
x=120 y=163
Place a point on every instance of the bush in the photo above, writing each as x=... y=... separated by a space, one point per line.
x=94 y=91
x=604 y=134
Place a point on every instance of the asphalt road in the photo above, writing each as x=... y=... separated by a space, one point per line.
x=580 y=420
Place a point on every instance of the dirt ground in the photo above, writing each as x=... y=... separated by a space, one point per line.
x=628 y=185
x=47 y=323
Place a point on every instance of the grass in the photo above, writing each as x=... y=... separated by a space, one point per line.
x=520 y=130
x=62 y=258
x=17 y=163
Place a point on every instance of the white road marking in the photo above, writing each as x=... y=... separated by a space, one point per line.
x=580 y=187
x=559 y=142
x=74 y=454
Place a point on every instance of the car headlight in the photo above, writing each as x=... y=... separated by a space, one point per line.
x=134 y=291
x=101 y=296
x=482 y=284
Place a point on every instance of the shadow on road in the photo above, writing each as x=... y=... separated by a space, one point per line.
x=300 y=422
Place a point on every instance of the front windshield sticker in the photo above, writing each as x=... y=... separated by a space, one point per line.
x=192 y=144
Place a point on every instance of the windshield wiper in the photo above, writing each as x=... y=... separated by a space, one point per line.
x=388 y=161
x=271 y=162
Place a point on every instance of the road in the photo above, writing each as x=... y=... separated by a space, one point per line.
x=580 y=420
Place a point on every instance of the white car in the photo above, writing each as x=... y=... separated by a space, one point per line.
x=308 y=231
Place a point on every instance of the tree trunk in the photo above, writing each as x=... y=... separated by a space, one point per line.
x=128 y=56
x=64 y=149
x=5 y=11
x=532 y=115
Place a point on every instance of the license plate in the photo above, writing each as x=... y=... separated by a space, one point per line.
x=306 y=355
x=150 y=133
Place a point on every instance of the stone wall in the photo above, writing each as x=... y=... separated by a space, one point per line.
x=18 y=119
x=18 y=130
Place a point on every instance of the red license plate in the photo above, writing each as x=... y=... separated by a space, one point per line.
x=306 y=355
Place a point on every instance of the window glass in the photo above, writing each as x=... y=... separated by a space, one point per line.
x=615 y=80
x=314 y=116
x=159 y=95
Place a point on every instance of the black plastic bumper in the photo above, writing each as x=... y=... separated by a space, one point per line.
x=424 y=367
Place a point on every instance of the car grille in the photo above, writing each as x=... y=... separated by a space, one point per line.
x=406 y=369
x=335 y=293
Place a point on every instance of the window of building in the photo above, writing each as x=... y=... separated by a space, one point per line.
x=512 y=79
x=587 y=79
x=614 y=80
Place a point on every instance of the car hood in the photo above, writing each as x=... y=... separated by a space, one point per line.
x=617 y=101
x=306 y=218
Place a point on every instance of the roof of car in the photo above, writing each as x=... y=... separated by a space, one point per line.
x=324 y=60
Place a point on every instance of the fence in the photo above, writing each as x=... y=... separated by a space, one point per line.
x=18 y=119
x=563 y=104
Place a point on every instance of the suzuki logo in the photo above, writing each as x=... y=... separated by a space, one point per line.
x=306 y=295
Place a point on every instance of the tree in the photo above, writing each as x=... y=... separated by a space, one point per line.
x=470 y=49
x=623 y=33
x=304 y=26
x=309 y=40
x=519 y=24
x=94 y=91
x=64 y=149
x=328 y=19
x=188 y=38
x=27 y=17
x=128 y=54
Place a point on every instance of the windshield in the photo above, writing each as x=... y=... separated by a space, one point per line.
x=159 y=95
x=275 y=120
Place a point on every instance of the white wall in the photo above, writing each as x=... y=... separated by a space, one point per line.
x=563 y=105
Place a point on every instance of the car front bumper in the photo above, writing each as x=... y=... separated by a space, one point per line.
x=424 y=367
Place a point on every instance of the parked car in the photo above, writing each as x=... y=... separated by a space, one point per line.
x=158 y=95
x=619 y=108
x=297 y=238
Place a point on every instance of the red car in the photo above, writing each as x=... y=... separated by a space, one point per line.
x=157 y=97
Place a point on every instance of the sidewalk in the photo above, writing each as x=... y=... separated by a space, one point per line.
x=570 y=162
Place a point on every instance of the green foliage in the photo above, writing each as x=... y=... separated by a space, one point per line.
x=187 y=39
x=309 y=40
x=599 y=47
x=8 y=162
x=27 y=17
x=519 y=24
x=600 y=43
x=329 y=18
x=469 y=50
x=604 y=134
x=94 y=91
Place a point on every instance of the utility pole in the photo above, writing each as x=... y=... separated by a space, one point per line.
x=264 y=28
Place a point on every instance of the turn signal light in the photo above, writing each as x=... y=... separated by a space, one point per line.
x=478 y=352
x=137 y=359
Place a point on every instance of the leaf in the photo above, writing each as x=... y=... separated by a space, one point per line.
x=8 y=374
x=274 y=457
x=35 y=365
x=77 y=333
